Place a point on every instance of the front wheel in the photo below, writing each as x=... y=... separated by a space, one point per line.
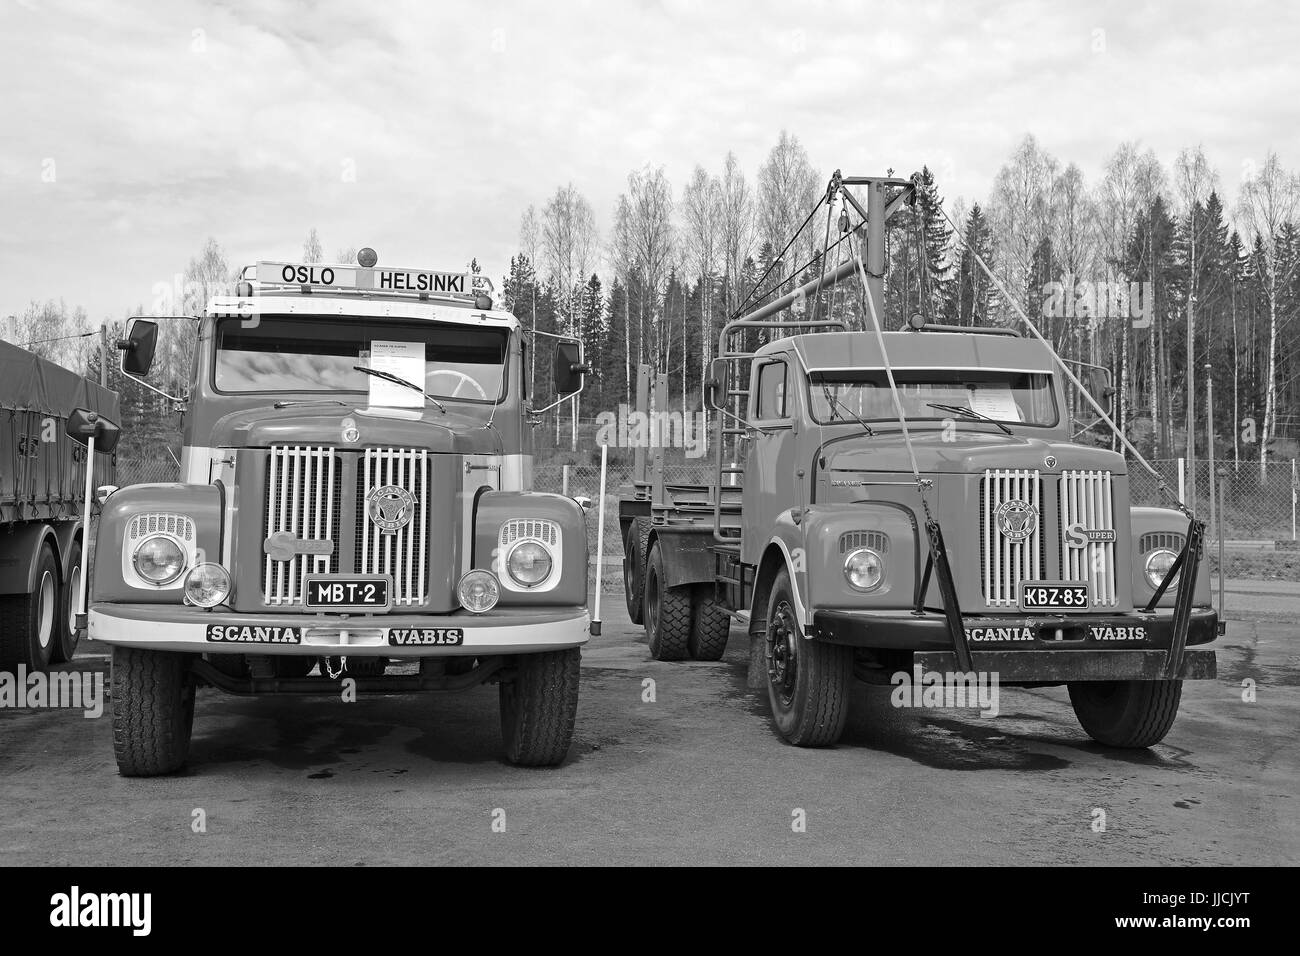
x=539 y=707
x=153 y=711
x=1132 y=713
x=807 y=681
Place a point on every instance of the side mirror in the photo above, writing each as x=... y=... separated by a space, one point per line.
x=139 y=346
x=82 y=424
x=715 y=386
x=568 y=369
x=1099 y=385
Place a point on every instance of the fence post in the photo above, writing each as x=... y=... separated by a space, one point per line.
x=1295 y=487
x=564 y=481
x=1182 y=479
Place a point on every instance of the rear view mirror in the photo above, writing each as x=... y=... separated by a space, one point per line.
x=715 y=387
x=83 y=424
x=139 y=346
x=1098 y=382
x=568 y=369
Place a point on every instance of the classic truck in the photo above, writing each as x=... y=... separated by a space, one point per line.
x=355 y=506
x=899 y=502
x=43 y=475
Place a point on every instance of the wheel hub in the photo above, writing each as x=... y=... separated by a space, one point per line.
x=783 y=653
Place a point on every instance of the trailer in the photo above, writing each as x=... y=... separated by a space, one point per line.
x=907 y=498
x=42 y=477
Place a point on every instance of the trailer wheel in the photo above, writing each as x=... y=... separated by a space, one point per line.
x=667 y=611
x=710 y=626
x=153 y=711
x=69 y=634
x=29 y=623
x=634 y=549
x=807 y=681
x=1132 y=714
x=539 y=706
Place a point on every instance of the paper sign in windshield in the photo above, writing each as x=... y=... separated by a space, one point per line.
x=406 y=361
x=994 y=401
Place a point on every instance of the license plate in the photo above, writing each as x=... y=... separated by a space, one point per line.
x=1054 y=596
x=335 y=593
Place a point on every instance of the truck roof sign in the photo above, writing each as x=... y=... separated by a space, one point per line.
x=361 y=279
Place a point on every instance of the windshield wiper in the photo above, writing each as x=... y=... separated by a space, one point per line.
x=966 y=412
x=398 y=380
x=836 y=405
x=319 y=401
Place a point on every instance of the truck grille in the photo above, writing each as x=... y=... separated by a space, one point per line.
x=402 y=477
x=302 y=498
x=1087 y=504
x=1004 y=561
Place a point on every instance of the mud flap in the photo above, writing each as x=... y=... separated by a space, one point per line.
x=948 y=591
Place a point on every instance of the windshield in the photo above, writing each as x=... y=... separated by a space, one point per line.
x=283 y=353
x=1015 y=397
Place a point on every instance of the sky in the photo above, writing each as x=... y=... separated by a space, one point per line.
x=131 y=132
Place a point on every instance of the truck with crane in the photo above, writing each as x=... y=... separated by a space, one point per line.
x=909 y=498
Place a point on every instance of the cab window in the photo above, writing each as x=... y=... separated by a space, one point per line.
x=771 y=398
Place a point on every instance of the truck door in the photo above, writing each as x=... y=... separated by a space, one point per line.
x=770 y=483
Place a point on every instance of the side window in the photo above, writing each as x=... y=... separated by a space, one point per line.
x=771 y=392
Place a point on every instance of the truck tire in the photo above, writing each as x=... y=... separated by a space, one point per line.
x=1132 y=714
x=69 y=634
x=30 y=623
x=667 y=611
x=538 y=708
x=634 y=552
x=153 y=711
x=710 y=626
x=807 y=681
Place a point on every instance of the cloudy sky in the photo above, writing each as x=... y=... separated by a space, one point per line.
x=132 y=131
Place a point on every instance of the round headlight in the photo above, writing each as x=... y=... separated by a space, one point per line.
x=865 y=569
x=1158 y=565
x=159 y=560
x=478 y=591
x=529 y=564
x=207 y=585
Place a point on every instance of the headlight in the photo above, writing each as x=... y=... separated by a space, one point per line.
x=478 y=591
x=1158 y=565
x=865 y=569
x=159 y=560
x=529 y=563
x=207 y=585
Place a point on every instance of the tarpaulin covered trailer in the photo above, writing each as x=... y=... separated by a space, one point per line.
x=42 y=483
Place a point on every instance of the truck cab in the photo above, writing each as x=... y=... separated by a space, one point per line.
x=356 y=503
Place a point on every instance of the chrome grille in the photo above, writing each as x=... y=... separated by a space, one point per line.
x=877 y=541
x=302 y=498
x=1086 y=500
x=1004 y=562
x=1155 y=540
x=402 y=553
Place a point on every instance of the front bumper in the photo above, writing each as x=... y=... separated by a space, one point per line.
x=904 y=630
x=195 y=630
